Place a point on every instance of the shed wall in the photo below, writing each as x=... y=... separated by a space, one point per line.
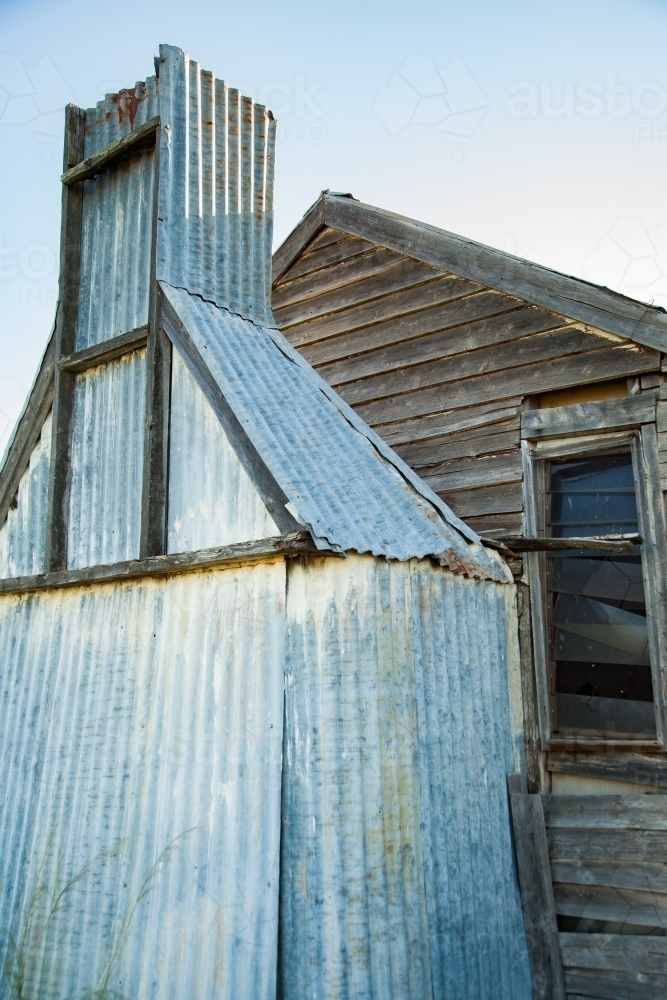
x=212 y=500
x=107 y=462
x=139 y=827
x=22 y=535
x=438 y=365
x=397 y=876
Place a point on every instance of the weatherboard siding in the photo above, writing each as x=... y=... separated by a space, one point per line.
x=439 y=365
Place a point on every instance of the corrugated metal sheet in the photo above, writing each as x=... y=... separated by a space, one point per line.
x=212 y=500
x=118 y=114
x=107 y=462
x=217 y=159
x=22 y=534
x=139 y=825
x=116 y=231
x=350 y=491
x=397 y=874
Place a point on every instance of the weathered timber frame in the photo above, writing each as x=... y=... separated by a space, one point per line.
x=69 y=362
x=573 y=432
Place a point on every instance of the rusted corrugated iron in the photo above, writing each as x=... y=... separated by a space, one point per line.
x=140 y=783
x=397 y=875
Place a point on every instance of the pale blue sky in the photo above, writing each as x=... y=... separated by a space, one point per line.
x=539 y=128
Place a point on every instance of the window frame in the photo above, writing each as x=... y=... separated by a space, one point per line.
x=643 y=445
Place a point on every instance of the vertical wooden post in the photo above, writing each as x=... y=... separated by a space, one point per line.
x=63 y=394
x=158 y=393
x=537 y=898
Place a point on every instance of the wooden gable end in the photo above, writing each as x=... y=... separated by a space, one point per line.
x=440 y=365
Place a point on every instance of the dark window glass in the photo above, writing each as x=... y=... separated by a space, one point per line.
x=601 y=673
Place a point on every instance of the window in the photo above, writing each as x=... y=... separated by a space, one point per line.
x=598 y=617
x=600 y=668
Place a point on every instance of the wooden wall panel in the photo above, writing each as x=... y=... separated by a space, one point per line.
x=440 y=365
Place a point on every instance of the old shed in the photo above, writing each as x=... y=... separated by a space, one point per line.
x=259 y=686
x=535 y=405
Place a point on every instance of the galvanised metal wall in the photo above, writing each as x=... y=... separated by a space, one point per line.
x=107 y=462
x=116 y=231
x=140 y=788
x=119 y=114
x=22 y=534
x=217 y=157
x=212 y=500
x=397 y=873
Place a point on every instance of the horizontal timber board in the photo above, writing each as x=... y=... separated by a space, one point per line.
x=490 y=500
x=557 y=373
x=567 y=296
x=542 y=347
x=298 y=240
x=493 y=471
x=623 y=952
x=629 y=812
x=582 y=418
x=105 y=351
x=398 y=277
x=460 y=332
x=451 y=421
x=314 y=292
x=646 y=876
x=298 y=543
x=643 y=769
x=599 y=902
x=349 y=246
x=606 y=845
x=613 y=985
x=496 y=525
x=323 y=238
x=139 y=139
x=429 y=454
x=382 y=309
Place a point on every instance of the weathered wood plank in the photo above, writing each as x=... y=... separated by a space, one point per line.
x=450 y=422
x=349 y=246
x=98 y=354
x=55 y=545
x=383 y=309
x=324 y=237
x=563 y=294
x=428 y=454
x=599 y=902
x=621 y=812
x=459 y=332
x=601 y=543
x=141 y=138
x=28 y=429
x=491 y=500
x=470 y=474
x=643 y=769
x=582 y=418
x=543 y=347
x=531 y=728
x=402 y=275
x=528 y=379
x=606 y=845
x=297 y=543
x=623 y=952
x=314 y=292
x=614 y=985
x=496 y=526
x=298 y=239
x=539 y=912
x=644 y=875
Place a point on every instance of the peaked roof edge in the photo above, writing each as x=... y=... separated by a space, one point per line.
x=564 y=294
